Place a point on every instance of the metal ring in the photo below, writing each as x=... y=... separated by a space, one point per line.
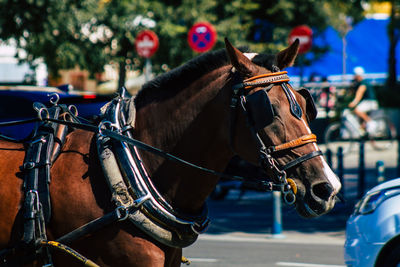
x=101 y=124
x=40 y=113
x=105 y=123
x=73 y=110
x=54 y=98
x=68 y=117
x=289 y=197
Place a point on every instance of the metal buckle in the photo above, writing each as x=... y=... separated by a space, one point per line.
x=288 y=195
x=103 y=124
x=139 y=202
x=122 y=213
x=36 y=198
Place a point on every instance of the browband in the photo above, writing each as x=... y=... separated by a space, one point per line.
x=264 y=79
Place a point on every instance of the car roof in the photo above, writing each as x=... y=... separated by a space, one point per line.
x=389 y=184
x=61 y=90
x=30 y=88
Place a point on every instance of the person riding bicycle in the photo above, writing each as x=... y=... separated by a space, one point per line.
x=364 y=99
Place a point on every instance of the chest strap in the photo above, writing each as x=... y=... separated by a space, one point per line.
x=41 y=152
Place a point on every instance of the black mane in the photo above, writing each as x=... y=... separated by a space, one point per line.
x=169 y=84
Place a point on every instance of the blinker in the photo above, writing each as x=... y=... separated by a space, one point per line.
x=311 y=110
x=295 y=108
x=259 y=109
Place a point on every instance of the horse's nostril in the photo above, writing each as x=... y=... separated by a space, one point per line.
x=323 y=190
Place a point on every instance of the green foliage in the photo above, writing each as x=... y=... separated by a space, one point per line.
x=49 y=30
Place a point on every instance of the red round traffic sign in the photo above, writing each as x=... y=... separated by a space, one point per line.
x=146 y=43
x=202 y=37
x=304 y=34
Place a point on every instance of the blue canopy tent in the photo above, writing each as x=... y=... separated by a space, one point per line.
x=367 y=46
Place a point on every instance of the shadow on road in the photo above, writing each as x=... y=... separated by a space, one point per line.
x=253 y=214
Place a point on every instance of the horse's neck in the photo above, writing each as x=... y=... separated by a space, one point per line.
x=194 y=126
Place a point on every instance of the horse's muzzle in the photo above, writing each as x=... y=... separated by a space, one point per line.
x=317 y=201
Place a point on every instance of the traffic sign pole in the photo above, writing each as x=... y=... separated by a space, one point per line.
x=148 y=70
x=146 y=45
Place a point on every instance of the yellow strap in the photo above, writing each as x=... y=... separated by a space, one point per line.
x=305 y=139
x=69 y=251
x=185 y=260
x=293 y=185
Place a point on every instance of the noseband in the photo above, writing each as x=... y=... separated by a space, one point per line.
x=240 y=97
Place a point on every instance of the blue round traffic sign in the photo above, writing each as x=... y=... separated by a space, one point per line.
x=202 y=37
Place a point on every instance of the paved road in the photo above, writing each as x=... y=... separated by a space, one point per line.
x=240 y=235
x=240 y=232
x=236 y=250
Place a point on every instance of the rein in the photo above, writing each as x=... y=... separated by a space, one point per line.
x=267 y=186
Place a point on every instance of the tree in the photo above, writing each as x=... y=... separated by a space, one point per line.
x=342 y=16
x=89 y=34
x=52 y=31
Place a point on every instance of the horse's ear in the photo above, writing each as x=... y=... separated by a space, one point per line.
x=286 y=57
x=239 y=61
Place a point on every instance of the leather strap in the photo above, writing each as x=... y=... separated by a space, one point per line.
x=295 y=108
x=305 y=139
x=301 y=159
x=264 y=79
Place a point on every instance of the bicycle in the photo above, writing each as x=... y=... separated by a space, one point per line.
x=348 y=131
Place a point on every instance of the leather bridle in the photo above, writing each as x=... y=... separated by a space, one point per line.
x=267 y=160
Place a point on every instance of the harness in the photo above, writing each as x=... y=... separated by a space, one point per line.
x=259 y=113
x=133 y=193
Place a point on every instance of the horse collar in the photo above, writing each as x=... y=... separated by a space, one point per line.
x=124 y=169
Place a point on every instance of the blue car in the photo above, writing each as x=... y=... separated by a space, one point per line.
x=16 y=104
x=373 y=230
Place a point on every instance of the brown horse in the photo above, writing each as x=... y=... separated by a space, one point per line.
x=187 y=113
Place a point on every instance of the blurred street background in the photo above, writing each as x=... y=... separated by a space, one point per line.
x=101 y=45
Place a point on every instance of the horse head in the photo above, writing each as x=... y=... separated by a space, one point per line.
x=274 y=125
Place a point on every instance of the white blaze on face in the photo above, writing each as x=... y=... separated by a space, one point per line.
x=250 y=55
x=330 y=175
